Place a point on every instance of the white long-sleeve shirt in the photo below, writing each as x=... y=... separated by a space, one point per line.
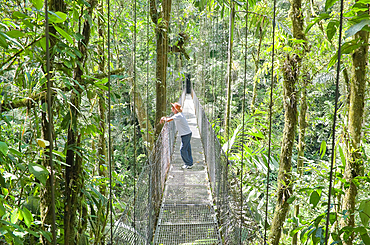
x=181 y=124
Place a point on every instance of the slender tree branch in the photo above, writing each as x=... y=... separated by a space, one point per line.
x=20 y=51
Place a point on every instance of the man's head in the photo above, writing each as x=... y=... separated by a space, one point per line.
x=177 y=107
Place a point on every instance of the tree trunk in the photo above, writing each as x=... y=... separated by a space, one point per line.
x=102 y=145
x=355 y=164
x=291 y=77
x=45 y=193
x=74 y=170
x=229 y=68
x=162 y=52
x=301 y=144
x=285 y=184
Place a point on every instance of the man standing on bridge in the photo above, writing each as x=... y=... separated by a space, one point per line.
x=184 y=131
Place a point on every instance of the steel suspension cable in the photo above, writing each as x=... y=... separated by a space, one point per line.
x=147 y=78
x=222 y=68
x=334 y=122
x=216 y=75
x=133 y=112
x=213 y=70
x=147 y=120
x=270 y=122
x=243 y=126
x=109 y=129
x=50 y=118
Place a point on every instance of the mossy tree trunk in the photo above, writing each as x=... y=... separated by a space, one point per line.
x=161 y=19
x=354 y=165
x=101 y=218
x=74 y=173
x=301 y=143
x=291 y=73
x=45 y=195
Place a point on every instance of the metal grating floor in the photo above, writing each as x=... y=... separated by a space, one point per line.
x=180 y=214
x=187 y=215
x=188 y=234
x=186 y=224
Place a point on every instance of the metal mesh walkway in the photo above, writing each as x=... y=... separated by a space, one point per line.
x=187 y=215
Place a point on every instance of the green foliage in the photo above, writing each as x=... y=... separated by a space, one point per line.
x=23 y=177
x=364 y=210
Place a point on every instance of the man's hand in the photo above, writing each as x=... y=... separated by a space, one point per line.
x=163 y=119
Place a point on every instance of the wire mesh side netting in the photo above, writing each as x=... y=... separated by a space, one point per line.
x=137 y=223
x=233 y=229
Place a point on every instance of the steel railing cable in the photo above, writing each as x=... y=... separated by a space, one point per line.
x=334 y=122
x=50 y=118
x=222 y=67
x=270 y=122
x=109 y=128
x=213 y=68
x=216 y=66
x=133 y=112
x=243 y=126
x=149 y=143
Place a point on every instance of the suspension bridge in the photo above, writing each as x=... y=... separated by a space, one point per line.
x=193 y=206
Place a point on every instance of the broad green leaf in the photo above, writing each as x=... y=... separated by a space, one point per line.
x=38 y=4
x=2 y=210
x=18 y=15
x=357 y=27
x=342 y=157
x=318 y=220
x=15 y=34
x=332 y=218
x=43 y=43
x=40 y=172
x=64 y=34
x=347 y=48
x=365 y=214
x=57 y=17
x=365 y=238
x=314 y=198
x=14 y=41
x=329 y=3
x=27 y=216
x=4 y=148
x=316 y=20
x=14 y=152
x=14 y=216
x=331 y=29
x=3 y=42
x=28 y=23
x=46 y=234
x=364 y=234
x=58 y=153
x=291 y=199
x=323 y=148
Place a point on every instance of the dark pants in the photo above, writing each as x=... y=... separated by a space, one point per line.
x=185 y=149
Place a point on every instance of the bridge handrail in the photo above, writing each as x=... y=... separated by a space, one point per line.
x=146 y=203
x=220 y=176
